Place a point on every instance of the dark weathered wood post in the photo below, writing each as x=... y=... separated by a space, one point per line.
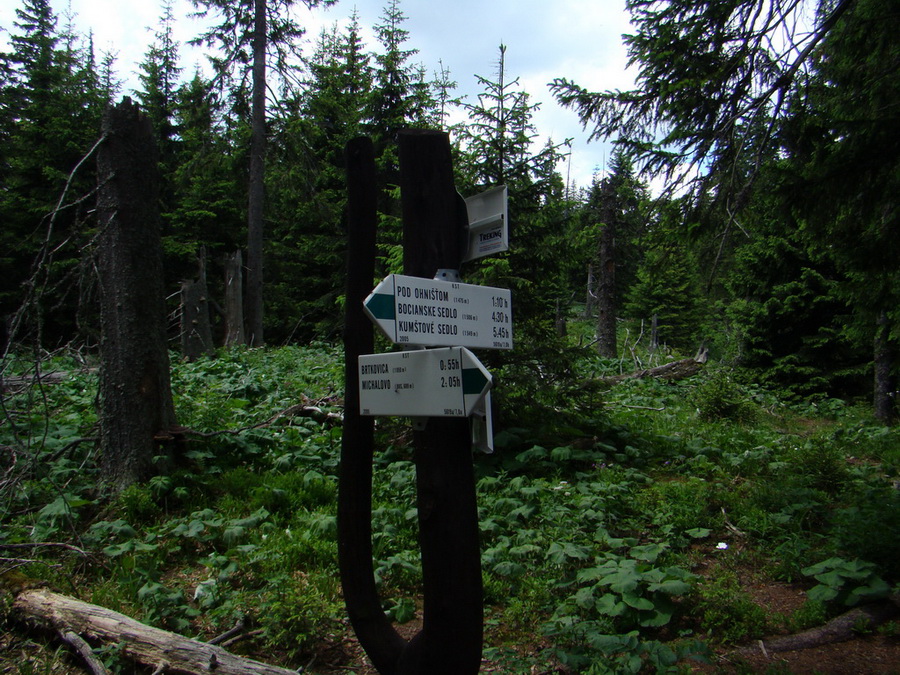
x=451 y=636
x=375 y=632
x=135 y=390
x=433 y=238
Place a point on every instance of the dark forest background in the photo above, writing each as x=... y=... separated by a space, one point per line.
x=774 y=244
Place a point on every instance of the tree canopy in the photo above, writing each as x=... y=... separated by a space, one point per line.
x=771 y=121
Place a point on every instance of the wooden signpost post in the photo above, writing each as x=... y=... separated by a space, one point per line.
x=441 y=388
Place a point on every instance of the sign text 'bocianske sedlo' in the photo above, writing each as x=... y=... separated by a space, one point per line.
x=426 y=312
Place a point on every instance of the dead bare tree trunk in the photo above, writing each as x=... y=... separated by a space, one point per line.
x=196 y=333
x=135 y=390
x=885 y=386
x=560 y=321
x=234 y=300
x=674 y=370
x=840 y=629
x=589 y=295
x=606 y=291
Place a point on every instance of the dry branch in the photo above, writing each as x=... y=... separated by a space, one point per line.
x=142 y=643
x=84 y=649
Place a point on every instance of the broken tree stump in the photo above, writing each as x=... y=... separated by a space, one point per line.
x=135 y=389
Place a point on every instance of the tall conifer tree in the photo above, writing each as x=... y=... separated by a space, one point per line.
x=251 y=32
x=498 y=148
x=843 y=142
x=307 y=184
x=400 y=98
x=51 y=111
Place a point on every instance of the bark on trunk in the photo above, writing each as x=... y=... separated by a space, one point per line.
x=196 y=333
x=254 y=306
x=606 y=292
x=135 y=391
x=885 y=385
x=234 y=300
x=142 y=643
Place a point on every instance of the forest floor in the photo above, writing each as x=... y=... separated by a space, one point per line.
x=746 y=502
x=864 y=654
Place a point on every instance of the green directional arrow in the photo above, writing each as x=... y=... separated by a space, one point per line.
x=381 y=305
x=473 y=381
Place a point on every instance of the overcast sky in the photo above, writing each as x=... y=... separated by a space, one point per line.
x=576 y=39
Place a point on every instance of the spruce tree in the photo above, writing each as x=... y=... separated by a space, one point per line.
x=707 y=72
x=206 y=208
x=496 y=148
x=248 y=31
x=400 y=98
x=843 y=145
x=51 y=111
x=160 y=80
x=666 y=293
x=307 y=188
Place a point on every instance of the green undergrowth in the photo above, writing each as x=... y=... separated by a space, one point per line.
x=620 y=524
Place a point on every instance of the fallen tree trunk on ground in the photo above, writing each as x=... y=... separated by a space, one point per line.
x=12 y=382
x=306 y=408
x=167 y=652
x=840 y=629
x=675 y=370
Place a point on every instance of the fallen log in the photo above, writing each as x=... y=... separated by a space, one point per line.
x=675 y=370
x=166 y=651
x=840 y=629
x=329 y=419
x=19 y=382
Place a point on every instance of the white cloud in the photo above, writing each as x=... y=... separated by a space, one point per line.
x=576 y=39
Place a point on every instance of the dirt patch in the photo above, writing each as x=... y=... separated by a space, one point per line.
x=777 y=597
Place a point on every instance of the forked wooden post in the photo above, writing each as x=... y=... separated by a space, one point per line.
x=375 y=632
x=433 y=238
x=450 y=641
